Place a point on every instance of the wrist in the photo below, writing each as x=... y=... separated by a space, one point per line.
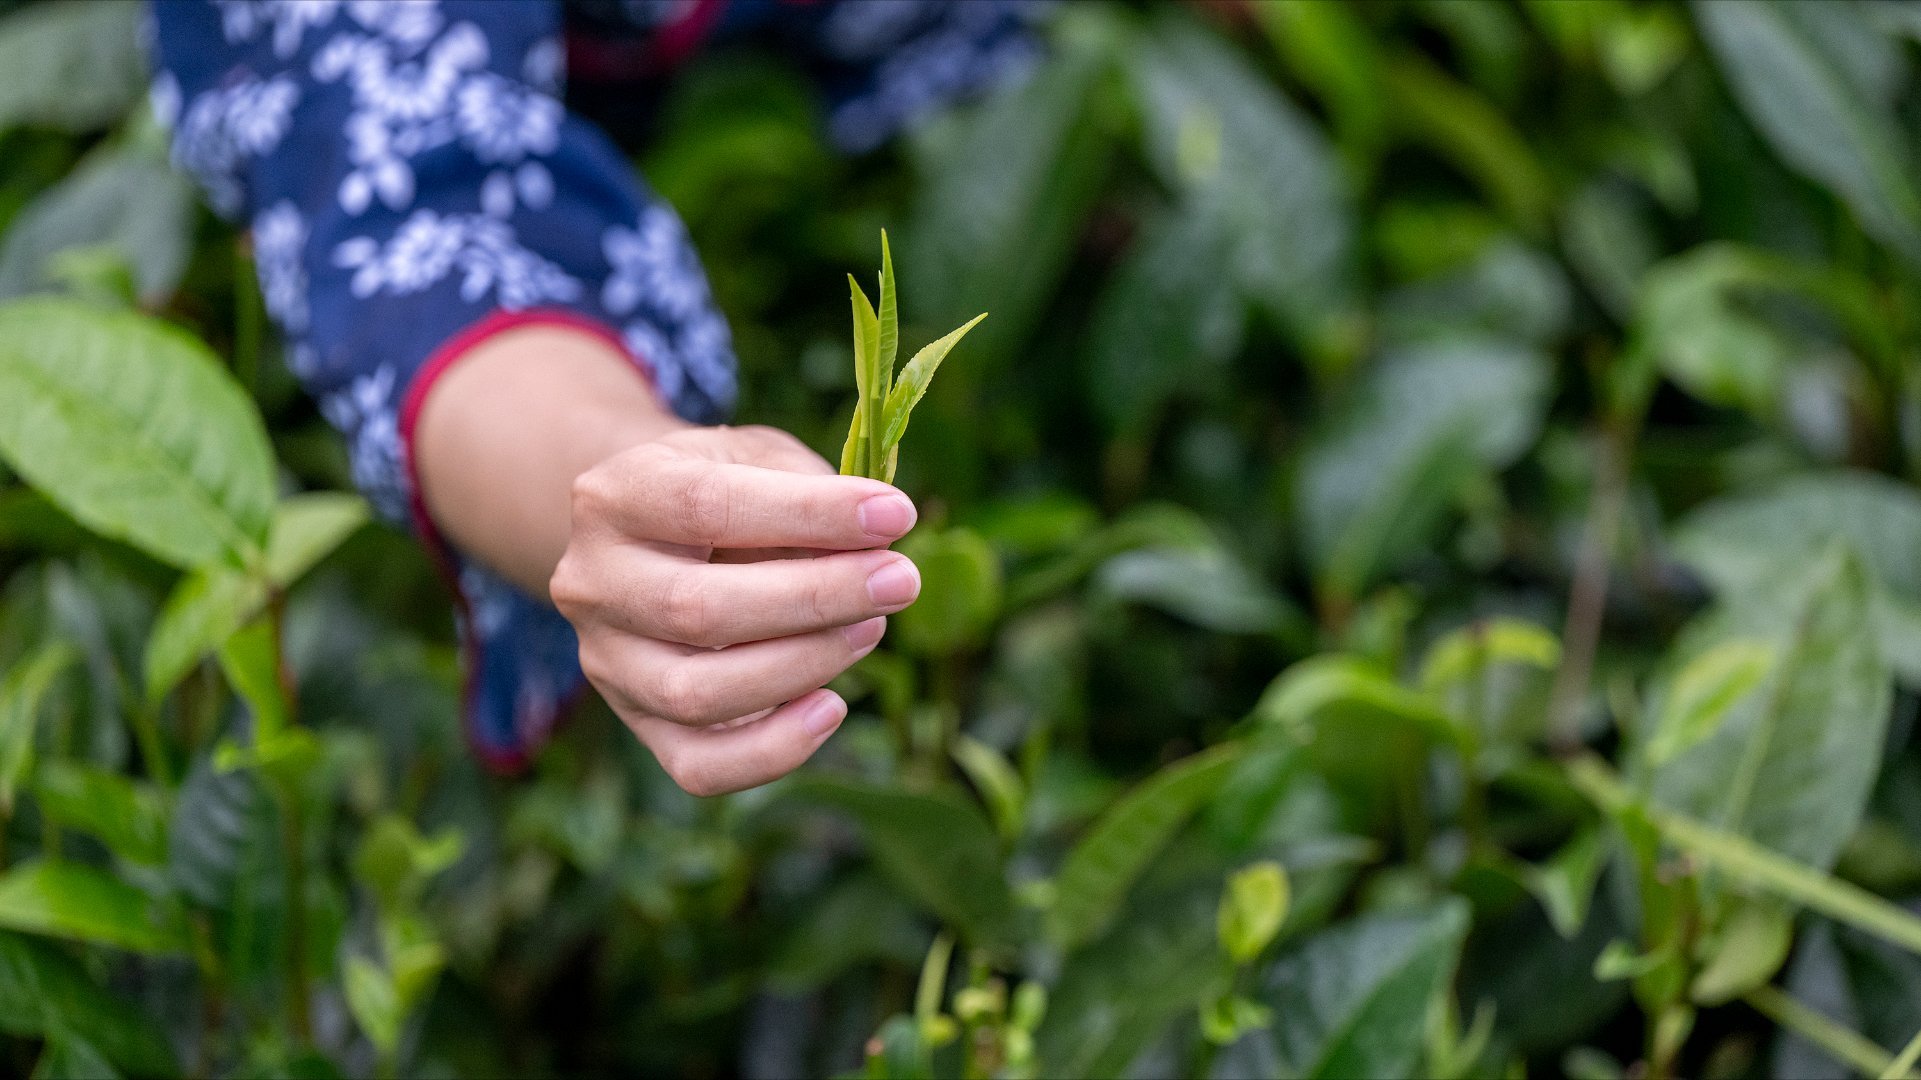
x=504 y=429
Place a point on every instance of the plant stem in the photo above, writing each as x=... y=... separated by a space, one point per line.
x=1741 y=858
x=1854 y=1050
x=1587 y=593
x=145 y=720
x=1903 y=1066
x=292 y=840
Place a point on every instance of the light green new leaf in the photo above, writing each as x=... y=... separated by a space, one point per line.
x=994 y=777
x=889 y=315
x=1792 y=763
x=128 y=816
x=1253 y=907
x=372 y=1001
x=251 y=661
x=81 y=903
x=1564 y=884
x=135 y=430
x=307 y=528
x=213 y=603
x=853 y=453
x=1095 y=877
x=1322 y=695
x=913 y=381
x=936 y=846
x=1353 y=1000
x=1746 y=951
x=21 y=694
x=204 y=610
x=1703 y=693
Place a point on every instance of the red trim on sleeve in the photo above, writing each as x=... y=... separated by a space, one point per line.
x=442 y=359
x=678 y=40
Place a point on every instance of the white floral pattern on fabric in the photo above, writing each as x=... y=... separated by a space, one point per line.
x=279 y=246
x=654 y=261
x=225 y=128
x=429 y=245
x=415 y=95
x=365 y=410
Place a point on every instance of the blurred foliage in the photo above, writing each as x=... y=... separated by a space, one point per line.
x=1423 y=577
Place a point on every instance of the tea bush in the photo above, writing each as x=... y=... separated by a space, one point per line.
x=1422 y=577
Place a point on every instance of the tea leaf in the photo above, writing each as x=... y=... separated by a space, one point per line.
x=205 y=609
x=69 y=900
x=1095 y=877
x=21 y=694
x=133 y=427
x=128 y=816
x=1353 y=999
x=912 y=385
x=867 y=375
x=889 y=314
x=1810 y=99
x=1701 y=696
x=1793 y=762
x=1252 y=910
x=935 y=845
x=74 y=66
x=129 y=207
x=43 y=989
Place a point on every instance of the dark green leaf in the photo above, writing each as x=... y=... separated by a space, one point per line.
x=960 y=592
x=42 y=989
x=1353 y=1000
x=1095 y=878
x=936 y=846
x=1378 y=476
x=1797 y=71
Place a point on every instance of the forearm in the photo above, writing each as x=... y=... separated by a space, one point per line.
x=504 y=432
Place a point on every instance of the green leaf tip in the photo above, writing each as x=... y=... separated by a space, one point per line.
x=885 y=401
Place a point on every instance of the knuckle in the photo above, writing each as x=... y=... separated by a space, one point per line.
x=685 y=612
x=568 y=586
x=691 y=773
x=592 y=494
x=686 y=697
x=813 y=602
x=707 y=506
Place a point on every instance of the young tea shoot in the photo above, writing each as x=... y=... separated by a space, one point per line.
x=880 y=414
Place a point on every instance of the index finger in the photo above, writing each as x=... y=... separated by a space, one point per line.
x=681 y=500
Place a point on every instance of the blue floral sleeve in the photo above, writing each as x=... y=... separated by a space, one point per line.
x=412 y=179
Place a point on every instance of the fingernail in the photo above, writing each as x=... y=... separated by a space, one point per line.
x=894 y=585
x=886 y=515
x=824 y=715
x=863 y=636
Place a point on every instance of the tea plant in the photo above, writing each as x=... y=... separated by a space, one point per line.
x=1421 y=577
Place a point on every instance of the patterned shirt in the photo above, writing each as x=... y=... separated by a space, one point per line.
x=414 y=183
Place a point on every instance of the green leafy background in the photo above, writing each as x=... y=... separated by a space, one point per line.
x=1422 y=578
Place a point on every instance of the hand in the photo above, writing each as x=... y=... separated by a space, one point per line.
x=719 y=578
